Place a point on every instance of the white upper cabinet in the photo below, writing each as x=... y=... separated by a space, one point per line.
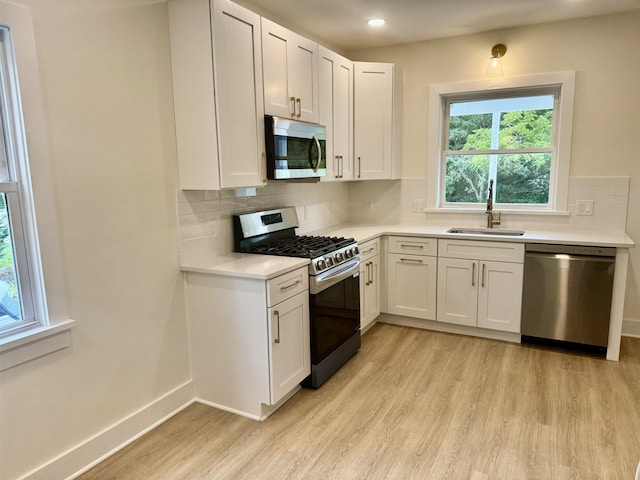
x=218 y=94
x=290 y=73
x=336 y=113
x=377 y=121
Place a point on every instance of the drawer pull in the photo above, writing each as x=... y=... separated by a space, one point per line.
x=369 y=250
x=289 y=287
x=405 y=245
x=415 y=260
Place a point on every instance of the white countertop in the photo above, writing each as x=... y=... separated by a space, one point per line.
x=246 y=265
x=362 y=233
x=265 y=267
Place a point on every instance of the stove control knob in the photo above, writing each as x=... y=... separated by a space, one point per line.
x=348 y=253
x=321 y=264
x=339 y=257
x=329 y=262
x=356 y=250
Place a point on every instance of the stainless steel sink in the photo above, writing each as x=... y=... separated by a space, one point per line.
x=487 y=231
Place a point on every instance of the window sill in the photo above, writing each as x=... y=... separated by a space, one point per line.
x=557 y=213
x=34 y=343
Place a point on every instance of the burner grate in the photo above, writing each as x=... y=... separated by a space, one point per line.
x=300 y=246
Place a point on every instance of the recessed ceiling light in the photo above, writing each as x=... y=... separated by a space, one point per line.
x=376 y=22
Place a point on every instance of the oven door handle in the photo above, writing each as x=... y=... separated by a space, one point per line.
x=325 y=280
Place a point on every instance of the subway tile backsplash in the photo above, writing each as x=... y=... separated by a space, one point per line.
x=205 y=216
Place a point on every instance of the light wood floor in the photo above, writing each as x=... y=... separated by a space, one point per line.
x=414 y=404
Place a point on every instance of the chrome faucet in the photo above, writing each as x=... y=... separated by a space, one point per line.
x=491 y=221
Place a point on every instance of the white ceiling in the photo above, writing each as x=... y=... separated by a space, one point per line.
x=343 y=23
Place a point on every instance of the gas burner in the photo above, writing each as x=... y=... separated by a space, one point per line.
x=273 y=233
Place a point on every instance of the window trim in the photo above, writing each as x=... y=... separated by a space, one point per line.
x=52 y=332
x=559 y=184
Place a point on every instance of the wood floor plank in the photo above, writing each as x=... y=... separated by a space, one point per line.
x=415 y=404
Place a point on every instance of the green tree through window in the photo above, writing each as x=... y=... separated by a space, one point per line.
x=504 y=139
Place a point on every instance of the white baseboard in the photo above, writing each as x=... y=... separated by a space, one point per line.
x=89 y=453
x=631 y=327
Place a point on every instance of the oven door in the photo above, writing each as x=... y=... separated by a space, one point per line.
x=334 y=308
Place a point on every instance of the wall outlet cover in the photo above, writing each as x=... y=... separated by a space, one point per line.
x=584 y=207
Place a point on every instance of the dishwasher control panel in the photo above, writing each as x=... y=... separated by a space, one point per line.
x=571 y=249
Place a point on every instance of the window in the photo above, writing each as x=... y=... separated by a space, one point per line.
x=16 y=299
x=515 y=132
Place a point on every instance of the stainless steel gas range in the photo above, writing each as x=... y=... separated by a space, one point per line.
x=334 y=289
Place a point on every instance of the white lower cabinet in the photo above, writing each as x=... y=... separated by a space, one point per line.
x=369 y=283
x=411 y=277
x=474 y=289
x=249 y=340
x=289 y=356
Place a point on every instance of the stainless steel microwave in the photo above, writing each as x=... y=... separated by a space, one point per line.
x=294 y=149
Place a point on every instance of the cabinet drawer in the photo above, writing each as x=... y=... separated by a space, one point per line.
x=413 y=245
x=287 y=285
x=481 y=250
x=369 y=249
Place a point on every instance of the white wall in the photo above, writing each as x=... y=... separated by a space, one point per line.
x=604 y=53
x=106 y=77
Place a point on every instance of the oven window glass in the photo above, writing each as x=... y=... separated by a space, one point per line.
x=335 y=316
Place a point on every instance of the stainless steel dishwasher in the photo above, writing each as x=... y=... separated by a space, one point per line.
x=566 y=299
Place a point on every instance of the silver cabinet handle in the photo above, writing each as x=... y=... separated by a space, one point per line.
x=277 y=314
x=299 y=103
x=473 y=275
x=293 y=106
x=289 y=287
x=484 y=269
x=415 y=260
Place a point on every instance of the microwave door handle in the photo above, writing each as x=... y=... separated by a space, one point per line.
x=317 y=164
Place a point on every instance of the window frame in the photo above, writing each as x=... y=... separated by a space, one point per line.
x=563 y=116
x=52 y=331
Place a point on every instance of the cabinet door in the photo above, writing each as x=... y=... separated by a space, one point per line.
x=289 y=345
x=411 y=284
x=373 y=120
x=500 y=296
x=193 y=94
x=290 y=73
x=304 y=77
x=239 y=95
x=369 y=291
x=336 y=113
x=457 y=291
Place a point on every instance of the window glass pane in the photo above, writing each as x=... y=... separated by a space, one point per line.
x=523 y=178
x=470 y=132
x=502 y=123
x=10 y=310
x=467 y=178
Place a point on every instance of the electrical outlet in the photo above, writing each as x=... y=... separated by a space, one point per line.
x=213 y=229
x=418 y=205
x=584 y=207
x=307 y=212
x=368 y=204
